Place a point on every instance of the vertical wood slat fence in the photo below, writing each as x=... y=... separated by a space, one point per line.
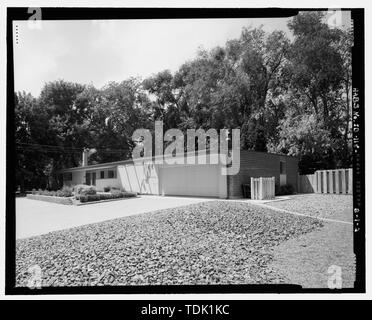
x=262 y=188
x=339 y=181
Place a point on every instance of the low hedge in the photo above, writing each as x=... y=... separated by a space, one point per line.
x=82 y=193
x=60 y=200
x=102 y=196
x=64 y=192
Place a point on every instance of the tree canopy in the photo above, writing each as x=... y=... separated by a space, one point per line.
x=286 y=96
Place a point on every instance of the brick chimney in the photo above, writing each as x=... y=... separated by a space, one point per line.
x=85 y=157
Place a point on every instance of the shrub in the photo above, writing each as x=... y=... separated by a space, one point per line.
x=93 y=197
x=118 y=194
x=113 y=195
x=128 y=194
x=65 y=192
x=83 y=189
x=107 y=189
x=246 y=190
x=123 y=194
x=285 y=190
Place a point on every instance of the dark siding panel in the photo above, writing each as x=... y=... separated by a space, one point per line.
x=260 y=164
x=292 y=172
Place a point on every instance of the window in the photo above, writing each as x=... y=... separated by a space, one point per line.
x=67 y=176
x=102 y=174
x=282 y=167
x=111 y=174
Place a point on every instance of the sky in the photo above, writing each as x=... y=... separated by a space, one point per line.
x=100 y=51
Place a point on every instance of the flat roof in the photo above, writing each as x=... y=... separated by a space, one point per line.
x=116 y=163
x=108 y=165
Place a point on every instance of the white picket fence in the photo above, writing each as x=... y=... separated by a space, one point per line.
x=262 y=188
x=339 y=181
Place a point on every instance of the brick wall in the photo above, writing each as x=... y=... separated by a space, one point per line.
x=260 y=164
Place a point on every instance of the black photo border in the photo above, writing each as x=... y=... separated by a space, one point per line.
x=358 y=79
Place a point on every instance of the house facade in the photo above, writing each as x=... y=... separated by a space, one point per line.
x=145 y=176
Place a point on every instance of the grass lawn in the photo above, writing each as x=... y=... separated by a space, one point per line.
x=306 y=259
x=213 y=242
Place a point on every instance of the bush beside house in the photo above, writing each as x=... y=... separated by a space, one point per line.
x=79 y=194
x=287 y=189
x=64 y=192
x=106 y=196
x=83 y=190
x=48 y=198
x=108 y=189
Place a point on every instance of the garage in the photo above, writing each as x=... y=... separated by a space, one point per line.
x=141 y=177
x=152 y=177
x=190 y=180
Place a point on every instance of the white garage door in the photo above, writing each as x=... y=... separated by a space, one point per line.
x=190 y=180
x=141 y=177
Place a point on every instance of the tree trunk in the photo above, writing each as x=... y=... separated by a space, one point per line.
x=325 y=111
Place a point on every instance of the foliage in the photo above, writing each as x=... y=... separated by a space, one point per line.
x=115 y=190
x=65 y=192
x=111 y=189
x=285 y=190
x=82 y=190
x=105 y=196
x=290 y=96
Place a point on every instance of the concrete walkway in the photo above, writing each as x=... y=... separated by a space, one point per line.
x=35 y=217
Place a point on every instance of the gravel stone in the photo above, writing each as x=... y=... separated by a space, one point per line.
x=215 y=242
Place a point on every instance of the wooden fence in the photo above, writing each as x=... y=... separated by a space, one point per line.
x=262 y=188
x=338 y=181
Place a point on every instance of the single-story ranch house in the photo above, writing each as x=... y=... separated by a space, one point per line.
x=204 y=180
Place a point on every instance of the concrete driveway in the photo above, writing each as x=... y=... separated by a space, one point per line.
x=35 y=217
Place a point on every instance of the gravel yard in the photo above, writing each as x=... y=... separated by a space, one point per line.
x=334 y=206
x=206 y=243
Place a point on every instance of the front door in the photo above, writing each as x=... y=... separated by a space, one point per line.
x=90 y=178
x=87 y=178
